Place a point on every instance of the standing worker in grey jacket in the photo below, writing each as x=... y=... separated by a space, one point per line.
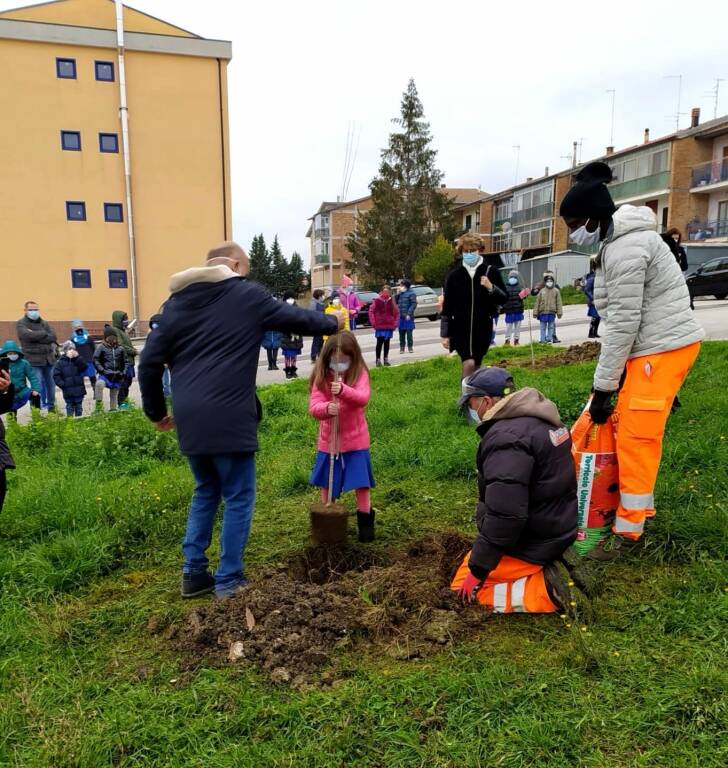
x=39 y=343
x=650 y=342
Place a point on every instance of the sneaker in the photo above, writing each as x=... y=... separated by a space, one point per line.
x=378 y=363
x=123 y=406
x=197 y=584
x=365 y=526
x=611 y=547
x=555 y=340
x=507 y=342
x=228 y=592
x=401 y=350
x=410 y=351
x=517 y=343
x=387 y=364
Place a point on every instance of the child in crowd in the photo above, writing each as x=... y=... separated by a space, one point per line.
x=110 y=363
x=335 y=306
x=548 y=308
x=317 y=305
x=22 y=376
x=291 y=343
x=68 y=374
x=406 y=304
x=340 y=392
x=513 y=307
x=271 y=343
x=85 y=346
x=383 y=317
x=349 y=300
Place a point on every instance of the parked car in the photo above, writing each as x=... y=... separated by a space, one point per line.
x=366 y=298
x=710 y=279
x=426 y=302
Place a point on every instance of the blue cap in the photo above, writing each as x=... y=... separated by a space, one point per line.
x=493 y=382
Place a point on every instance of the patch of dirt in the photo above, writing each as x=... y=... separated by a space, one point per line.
x=292 y=621
x=577 y=353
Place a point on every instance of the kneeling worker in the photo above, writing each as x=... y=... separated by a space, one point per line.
x=527 y=511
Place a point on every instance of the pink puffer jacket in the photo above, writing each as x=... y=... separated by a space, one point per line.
x=353 y=429
x=383 y=315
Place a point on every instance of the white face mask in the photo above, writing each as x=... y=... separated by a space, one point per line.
x=582 y=236
x=342 y=367
x=290 y=301
x=336 y=302
x=13 y=357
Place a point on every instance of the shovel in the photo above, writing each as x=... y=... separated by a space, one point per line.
x=329 y=521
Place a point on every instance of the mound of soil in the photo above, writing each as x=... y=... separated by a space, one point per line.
x=292 y=621
x=577 y=353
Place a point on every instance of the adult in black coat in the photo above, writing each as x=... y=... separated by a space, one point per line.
x=672 y=239
x=527 y=508
x=473 y=292
x=209 y=336
x=7 y=395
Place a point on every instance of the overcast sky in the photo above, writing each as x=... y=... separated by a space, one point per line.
x=490 y=75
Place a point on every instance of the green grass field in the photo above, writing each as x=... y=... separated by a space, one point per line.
x=89 y=551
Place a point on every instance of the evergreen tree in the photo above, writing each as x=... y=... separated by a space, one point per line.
x=280 y=271
x=260 y=262
x=297 y=274
x=435 y=263
x=408 y=208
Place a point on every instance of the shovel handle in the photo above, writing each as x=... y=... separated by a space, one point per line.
x=334 y=439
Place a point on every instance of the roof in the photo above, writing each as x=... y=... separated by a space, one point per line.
x=96 y=14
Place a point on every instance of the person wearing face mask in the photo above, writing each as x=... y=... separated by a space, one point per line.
x=651 y=340
x=291 y=343
x=39 y=343
x=119 y=326
x=672 y=239
x=68 y=373
x=513 y=307
x=26 y=384
x=406 y=304
x=547 y=308
x=473 y=292
x=339 y=387
x=335 y=307
x=349 y=300
x=210 y=334
x=383 y=317
x=111 y=363
x=527 y=510
x=85 y=346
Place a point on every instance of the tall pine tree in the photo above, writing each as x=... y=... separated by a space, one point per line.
x=260 y=262
x=280 y=275
x=297 y=275
x=408 y=208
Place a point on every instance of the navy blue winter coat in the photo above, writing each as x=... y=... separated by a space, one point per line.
x=407 y=303
x=68 y=373
x=210 y=337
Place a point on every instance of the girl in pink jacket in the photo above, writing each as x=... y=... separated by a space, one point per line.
x=340 y=388
x=384 y=318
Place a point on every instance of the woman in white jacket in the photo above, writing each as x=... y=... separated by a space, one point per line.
x=651 y=338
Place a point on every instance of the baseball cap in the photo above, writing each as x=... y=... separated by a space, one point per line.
x=494 y=382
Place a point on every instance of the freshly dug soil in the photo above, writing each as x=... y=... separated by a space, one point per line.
x=577 y=353
x=292 y=621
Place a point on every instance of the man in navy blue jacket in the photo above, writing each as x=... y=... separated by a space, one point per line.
x=209 y=336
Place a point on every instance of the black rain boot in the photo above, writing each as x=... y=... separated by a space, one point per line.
x=287 y=371
x=294 y=372
x=365 y=524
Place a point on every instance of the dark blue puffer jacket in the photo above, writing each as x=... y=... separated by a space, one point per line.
x=68 y=373
x=407 y=303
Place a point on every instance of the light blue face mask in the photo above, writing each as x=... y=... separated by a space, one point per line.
x=512 y=281
x=471 y=259
x=340 y=367
x=473 y=416
x=33 y=314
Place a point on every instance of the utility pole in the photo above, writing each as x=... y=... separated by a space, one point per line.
x=679 y=96
x=517 y=147
x=611 y=130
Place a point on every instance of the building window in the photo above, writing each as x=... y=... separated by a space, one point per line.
x=75 y=210
x=105 y=71
x=81 y=278
x=71 y=141
x=66 y=69
x=113 y=212
x=108 y=142
x=117 y=278
x=469 y=222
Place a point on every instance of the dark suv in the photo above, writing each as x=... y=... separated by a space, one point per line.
x=710 y=279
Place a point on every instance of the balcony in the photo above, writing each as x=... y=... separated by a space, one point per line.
x=322 y=258
x=699 y=230
x=627 y=190
x=538 y=212
x=322 y=233
x=707 y=174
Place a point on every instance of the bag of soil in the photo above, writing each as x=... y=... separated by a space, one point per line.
x=594 y=448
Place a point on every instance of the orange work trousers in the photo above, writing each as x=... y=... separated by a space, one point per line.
x=515 y=586
x=644 y=404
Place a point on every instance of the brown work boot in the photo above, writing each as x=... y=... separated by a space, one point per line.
x=563 y=591
x=611 y=547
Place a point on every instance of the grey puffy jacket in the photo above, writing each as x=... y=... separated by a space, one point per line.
x=641 y=296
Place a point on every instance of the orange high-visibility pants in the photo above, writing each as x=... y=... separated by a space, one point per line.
x=644 y=404
x=515 y=586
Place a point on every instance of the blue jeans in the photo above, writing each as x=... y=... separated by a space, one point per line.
x=231 y=477
x=167 y=383
x=548 y=331
x=47 y=386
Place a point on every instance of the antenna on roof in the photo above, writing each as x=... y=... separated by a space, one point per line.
x=714 y=92
x=611 y=131
x=349 y=157
x=352 y=163
x=678 y=113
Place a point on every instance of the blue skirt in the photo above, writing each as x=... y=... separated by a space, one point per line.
x=514 y=317
x=384 y=334
x=110 y=384
x=592 y=311
x=90 y=371
x=352 y=470
x=406 y=325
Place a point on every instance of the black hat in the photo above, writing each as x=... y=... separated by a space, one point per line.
x=589 y=198
x=494 y=382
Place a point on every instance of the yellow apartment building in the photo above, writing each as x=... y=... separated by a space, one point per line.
x=65 y=235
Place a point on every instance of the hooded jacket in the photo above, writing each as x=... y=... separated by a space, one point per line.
x=210 y=335
x=38 y=340
x=117 y=319
x=407 y=303
x=6 y=403
x=68 y=374
x=383 y=315
x=22 y=375
x=526 y=484
x=641 y=296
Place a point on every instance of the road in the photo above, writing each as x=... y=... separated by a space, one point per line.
x=571 y=329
